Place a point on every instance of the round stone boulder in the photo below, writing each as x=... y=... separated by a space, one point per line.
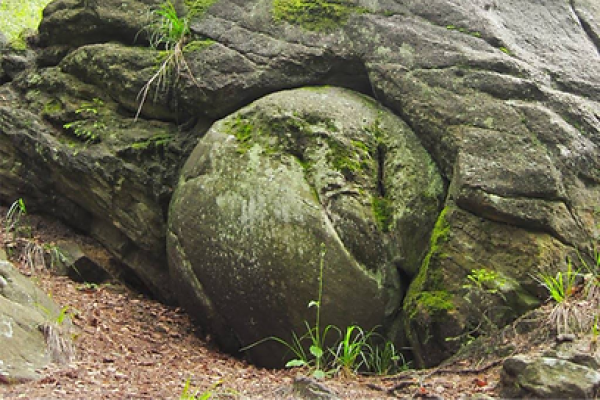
x=300 y=185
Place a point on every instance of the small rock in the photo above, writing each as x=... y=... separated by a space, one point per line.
x=308 y=388
x=545 y=377
x=80 y=267
x=23 y=350
x=580 y=352
x=565 y=337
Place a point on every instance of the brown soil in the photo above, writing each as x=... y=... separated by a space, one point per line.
x=129 y=346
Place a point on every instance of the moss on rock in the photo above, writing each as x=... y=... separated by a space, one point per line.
x=433 y=302
x=315 y=15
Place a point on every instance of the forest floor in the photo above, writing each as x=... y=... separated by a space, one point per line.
x=130 y=346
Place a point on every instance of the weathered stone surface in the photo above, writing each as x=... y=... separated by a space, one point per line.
x=583 y=351
x=107 y=175
x=549 y=378
x=503 y=95
x=436 y=312
x=76 y=23
x=267 y=186
x=23 y=310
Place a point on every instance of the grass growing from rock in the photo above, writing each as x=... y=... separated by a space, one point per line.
x=170 y=33
x=17 y=16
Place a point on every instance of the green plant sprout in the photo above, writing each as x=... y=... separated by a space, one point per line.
x=169 y=28
x=485 y=280
x=386 y=360
x=483 y=288
x=88 y=127
x=169 y=34
x=13 y=217
x=58 y=318
x=55 y=254
x=350 y=354
x=576 y=296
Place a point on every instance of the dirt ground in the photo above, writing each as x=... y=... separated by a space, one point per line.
x=130 y=346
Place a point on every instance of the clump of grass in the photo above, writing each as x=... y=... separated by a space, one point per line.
x=21 y=244
x=34 y=256
x=349 y=355
x=16 y=229
x=560 y=286
x=577 y=297
x=12 y=222
x=169 y=33
x=384 y=359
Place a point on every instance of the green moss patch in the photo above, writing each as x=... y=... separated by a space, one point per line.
x=315 y=15
x=52 y=107
x=350 y=159
x=429 y=281
x=439 y=235
x=245 y=132
x=433 y=303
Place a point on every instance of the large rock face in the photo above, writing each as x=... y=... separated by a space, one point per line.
x=503 y=95
x=269 y=185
